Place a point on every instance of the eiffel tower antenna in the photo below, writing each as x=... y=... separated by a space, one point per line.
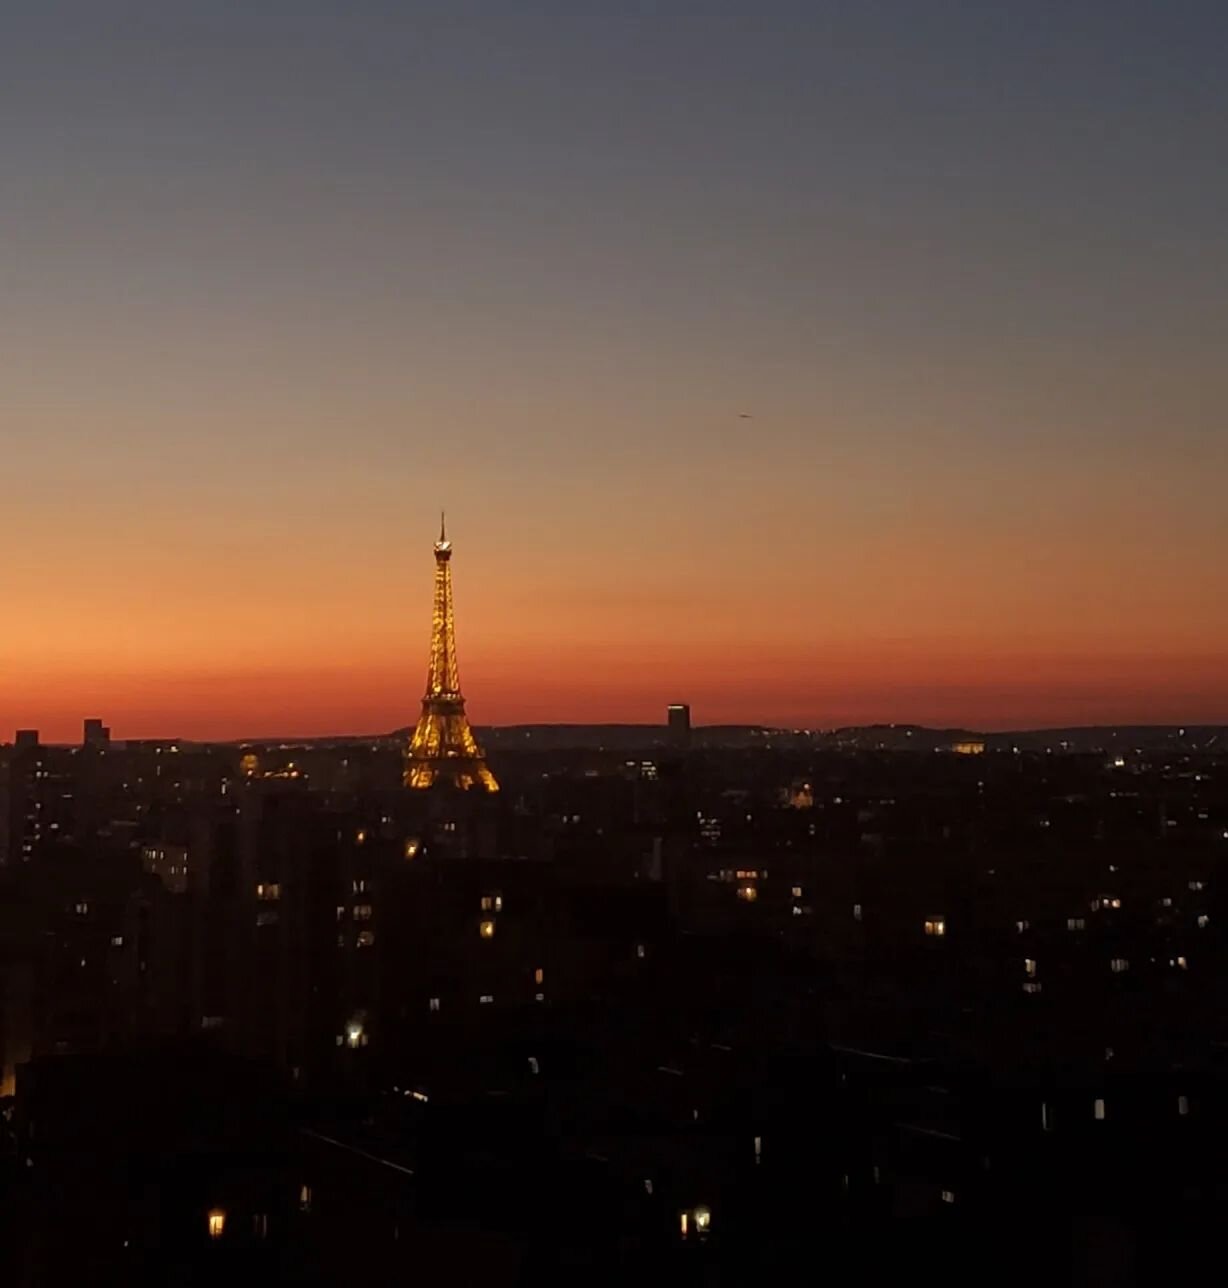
x=443 y=748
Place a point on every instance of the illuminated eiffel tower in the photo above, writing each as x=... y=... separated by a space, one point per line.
x=443 y=748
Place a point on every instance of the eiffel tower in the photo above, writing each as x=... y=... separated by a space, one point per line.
x=443 y=748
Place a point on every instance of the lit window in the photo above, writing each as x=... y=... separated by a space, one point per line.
x=117 y=941
x=539 y=975
x=1119 y=965
x=412 y=846
x=1203 y=922
x=1197 y=885
x=81 y=909
x=267 y=918
x=433 y=1004
x=936 y=926
x=1166 y=903
x=534 y=1067
x=360 y=885
x=366 y=938
x=640 y=951
x=1031 y=986
x=797 y=892
x=362 y=912
x=486 y=928
x=703 y=1220
x=486 y=999
x=1098 y=1110
x=948 y=1196
x=1021 y=926
x=1076 y=923
x=260 y=1225
x=304 y=1198
x=1183 y=1106
x=539 y=997
x=355 y=1035
x=856 y=912
x=1182 y=964
x=361 y=836
x=748 y=893
x=340 y=911
x=269 y=893
x=1046 y=1117
x=1029 y=966
x=217 y=1223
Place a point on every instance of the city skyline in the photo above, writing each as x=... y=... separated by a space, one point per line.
x=814 y=365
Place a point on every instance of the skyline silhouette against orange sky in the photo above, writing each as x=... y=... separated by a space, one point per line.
x=811 y=364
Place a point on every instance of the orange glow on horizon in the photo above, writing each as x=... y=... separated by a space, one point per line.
x=882 y=622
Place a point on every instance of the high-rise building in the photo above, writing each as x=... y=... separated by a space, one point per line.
x=679 y=720
x=96 y=735
x=443 y=749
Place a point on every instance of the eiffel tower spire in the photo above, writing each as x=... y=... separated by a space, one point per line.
x=443 y=748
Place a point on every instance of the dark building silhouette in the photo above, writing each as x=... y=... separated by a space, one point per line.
x=650 y=1014
x=679 y=724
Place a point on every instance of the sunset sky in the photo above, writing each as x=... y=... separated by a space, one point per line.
x=280 y=279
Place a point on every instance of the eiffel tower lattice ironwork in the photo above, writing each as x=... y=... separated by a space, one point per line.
x=443 y=748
